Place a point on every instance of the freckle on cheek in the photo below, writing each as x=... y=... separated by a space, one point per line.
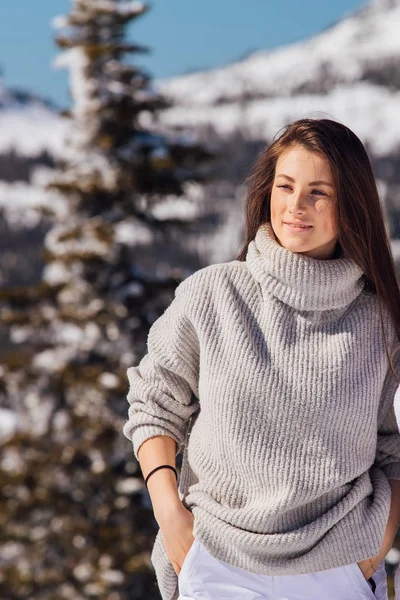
x=322 y=206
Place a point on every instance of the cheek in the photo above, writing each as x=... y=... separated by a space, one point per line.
x=322 y=207
x=326 y=211
x=277 y=201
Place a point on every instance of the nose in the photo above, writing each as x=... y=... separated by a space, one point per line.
x=296 y=205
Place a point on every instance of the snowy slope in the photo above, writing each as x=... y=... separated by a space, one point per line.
x=31 y=130
x=338 y=55
x=29 y=125
x=349 y=72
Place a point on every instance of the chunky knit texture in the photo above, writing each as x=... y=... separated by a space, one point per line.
x=271 y=375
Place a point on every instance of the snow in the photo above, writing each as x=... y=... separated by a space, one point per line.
x=318 y=77
x=70 y=334
x=83 y=572
x=54 y=360
x=88 y=243
x=125 y=9
x=23 y=203
x=393 y=556
x=19 y=334
x=128 y=486
x=109 y=380
x=11 y=461
x=81 y=87
x=56 y=273
x=8 y=424
x=31 y=130
x=271 y=80
x=184 y=208
x=133 y=232
x=10 y=551
x=258 y=94
x=59 y=22
x=366 y=35
x=61 y=420
x=113 y=577
x=359 y=106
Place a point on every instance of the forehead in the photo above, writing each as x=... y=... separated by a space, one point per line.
x=299 y=158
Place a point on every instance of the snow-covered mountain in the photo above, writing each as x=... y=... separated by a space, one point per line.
x=29 y=125
x=18 y=98
x=349 y=72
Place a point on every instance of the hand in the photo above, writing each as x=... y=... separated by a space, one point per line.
x=177 y=535
x=366 y=568
x=387 y=543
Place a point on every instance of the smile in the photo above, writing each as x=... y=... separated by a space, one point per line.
x=299 y=228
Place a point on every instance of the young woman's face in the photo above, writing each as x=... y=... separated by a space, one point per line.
x=304 y=192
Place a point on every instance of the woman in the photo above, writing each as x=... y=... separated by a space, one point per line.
x=275 y=375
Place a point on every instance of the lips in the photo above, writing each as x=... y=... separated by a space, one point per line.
x=298 y=225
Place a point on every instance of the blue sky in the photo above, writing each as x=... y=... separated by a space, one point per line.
x=183 y=35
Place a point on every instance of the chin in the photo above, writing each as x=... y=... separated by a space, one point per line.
x=294 y=246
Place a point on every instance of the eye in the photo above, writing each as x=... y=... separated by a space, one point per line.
x=286 y=186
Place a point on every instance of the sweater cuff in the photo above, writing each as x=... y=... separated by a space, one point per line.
x=145 y=432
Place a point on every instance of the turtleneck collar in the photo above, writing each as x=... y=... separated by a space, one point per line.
x=300 y=281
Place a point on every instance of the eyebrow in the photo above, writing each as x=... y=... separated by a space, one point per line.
x=311 y=182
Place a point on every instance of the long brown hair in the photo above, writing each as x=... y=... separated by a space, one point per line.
x=361 y=227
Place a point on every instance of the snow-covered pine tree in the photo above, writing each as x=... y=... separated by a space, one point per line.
x=73 y=521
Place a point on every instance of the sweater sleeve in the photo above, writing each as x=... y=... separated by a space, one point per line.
x=388 y=441
x=163 y=387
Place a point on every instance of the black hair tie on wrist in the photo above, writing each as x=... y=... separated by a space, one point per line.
x=161 y=467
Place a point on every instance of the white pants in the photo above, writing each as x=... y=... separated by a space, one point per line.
x=204 y=577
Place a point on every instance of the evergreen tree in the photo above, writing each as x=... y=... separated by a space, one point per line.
x=74 y=521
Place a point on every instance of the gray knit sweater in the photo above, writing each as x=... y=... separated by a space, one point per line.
x=271 y=375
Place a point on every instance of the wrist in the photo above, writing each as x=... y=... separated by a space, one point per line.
x=157 y=469
x=374 y=562
x=168 y=510
x=163 y=491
